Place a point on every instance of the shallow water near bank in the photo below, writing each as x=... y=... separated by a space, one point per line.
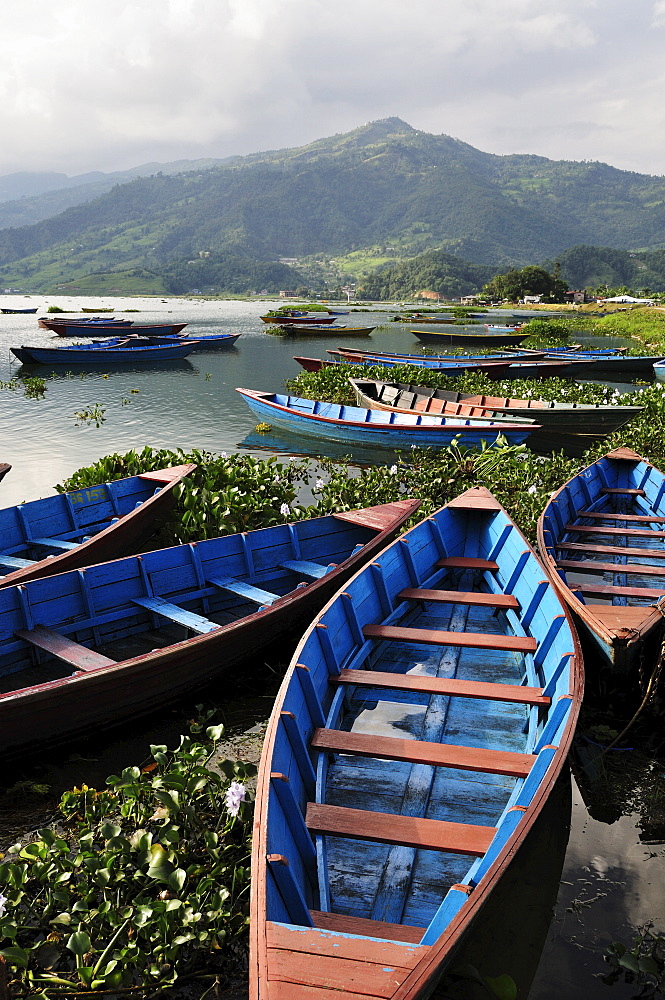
x=574 y=895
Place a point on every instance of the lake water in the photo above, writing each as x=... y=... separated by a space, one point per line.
x=587 y=889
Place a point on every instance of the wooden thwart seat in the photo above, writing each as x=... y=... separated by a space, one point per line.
x=176 y=614
x=467 y=562
x=408 y=831
x=434 y=637
x=612 y=591
x=64 y=649
x=13 y=562
x=613 y=550
x=596 y=529
x=54 y=543
x=460 y=597
x=637 y=518
x=364 y=927
x=625 y=491
x=452 y=686
x=459 y=758
x=590 y=566
x=306 y=568
x=246 y=590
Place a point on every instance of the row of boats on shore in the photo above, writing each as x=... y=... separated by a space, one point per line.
x=427 y=712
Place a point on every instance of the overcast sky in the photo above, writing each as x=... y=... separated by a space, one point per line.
x=100 y=85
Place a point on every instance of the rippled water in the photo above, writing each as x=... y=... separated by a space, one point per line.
x=567 y=903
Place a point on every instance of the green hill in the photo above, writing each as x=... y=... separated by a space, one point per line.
x=384 y=184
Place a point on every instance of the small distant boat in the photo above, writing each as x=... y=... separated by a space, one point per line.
x=4 y=469
x=98 y=309
x=339 y=312
x=69 y=530
x=503 y=327
x=573 y=427
x=374 y=428
x=83 y=329
x=602 y=542
x=18 y=311
x=493 y=369
x=329 y=331
x=357 y=354
x=125 y=351
x=484 y=338
x=116 y=640
x=55 y=323
x=282 y=320
x=417 y=736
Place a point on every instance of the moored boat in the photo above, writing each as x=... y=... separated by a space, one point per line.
x=481 y=338
x=302 y=320
x=493 y=369
x=117 y=639
x=117 y=351
x=294 y=330
x=18 y=311
x=417 y=735
x=54 y=323
x=602 y=542
x=83 y=329
x=374 y=428
x=69 y=530
x=573 y=427
x=4 y=469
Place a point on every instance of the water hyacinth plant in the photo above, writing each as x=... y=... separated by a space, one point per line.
x=137 y=886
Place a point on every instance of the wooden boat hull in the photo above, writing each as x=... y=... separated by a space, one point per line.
x=615 y=591
x=616 y=369
x=126 y=352
x=93 y=329
x=99 y=322
x=353 y=425
x=356 y=354
x=298 y=320
x=573 y=427
x=83 y=677
x=385 y=811
x=4 y=469
x=18 y=311
x=495 y=367
x=85 y=526
x=484 y=339
x=328 y=331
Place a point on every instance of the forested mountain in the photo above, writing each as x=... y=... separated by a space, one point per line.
x=27 y=197
x=591 y=267
x=434 y=271
x=384 y=184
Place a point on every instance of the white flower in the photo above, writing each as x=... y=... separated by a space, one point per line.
x=319 y=484
x=531 y=489
x=393 y=470
x=285 y=509
x=3 y=904
x=224 y=455
x=235 y=794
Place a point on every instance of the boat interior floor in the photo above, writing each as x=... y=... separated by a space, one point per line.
x=402 y=884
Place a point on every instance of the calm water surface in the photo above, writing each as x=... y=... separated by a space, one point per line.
x=575 y=894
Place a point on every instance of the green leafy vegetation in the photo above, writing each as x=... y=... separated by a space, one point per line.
x=136 y=886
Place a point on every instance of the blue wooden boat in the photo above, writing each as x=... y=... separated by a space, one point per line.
x=419 y=730
x=516 y=354
x=206 y=341
x=493 y=369
x=376 y=428
x=602 y=542
x=68 y=530
x=114 y=352
x=87 y=648
x=18 y=311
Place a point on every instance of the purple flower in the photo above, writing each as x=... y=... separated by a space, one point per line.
x=319 y=484
x=285 y=509
x=235 y=794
